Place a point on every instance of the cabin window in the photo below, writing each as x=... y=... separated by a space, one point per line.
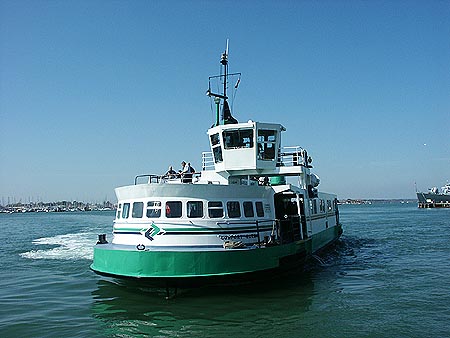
x=153 y=209
x=173 y=209
x=242 y=138
x=195 y=209
x=234 y=210
x=215 y=209
x=248 y=209
x=126 y=210
x=266 y=144
x=259 y=209
x=216 y=148
x=119 y=209
x=138 y=209
x=322 y=206
x=313 y=206
x=329 y=207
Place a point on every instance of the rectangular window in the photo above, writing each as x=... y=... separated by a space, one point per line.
x=195 y=209
x=119 y=209
x=259 y=209
x=138 y=209
x=153 y=209
x=241 y=138
x=215 y=139
x=329 y=207
x=248 y=209
x=217 y=152
x=173 y=209
x=234 y=210
x=313 y=206
x=126 y=210
x=322 y=206
x=215 y=209
x=266 y=144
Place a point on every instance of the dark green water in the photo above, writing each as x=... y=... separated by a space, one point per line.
x=389 y=276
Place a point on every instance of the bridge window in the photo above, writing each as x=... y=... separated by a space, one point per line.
x=267 y=144
x=173 y=209
x=234 y=210
x=195 y=209
x=216 y=148
x=215 y=209
x=241 y=138
x=138 y=208
x=153 y=209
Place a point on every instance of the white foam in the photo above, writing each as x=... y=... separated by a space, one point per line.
x=70 y=247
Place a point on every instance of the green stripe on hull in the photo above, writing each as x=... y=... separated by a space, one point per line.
x=127 y=261
x=180 y=264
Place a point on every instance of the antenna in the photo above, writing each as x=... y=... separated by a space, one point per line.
x=224 y=62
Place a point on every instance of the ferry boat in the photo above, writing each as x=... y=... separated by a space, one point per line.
x=254 y=208
x=435 y=198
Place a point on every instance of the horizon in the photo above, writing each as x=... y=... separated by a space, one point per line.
x=93 y=93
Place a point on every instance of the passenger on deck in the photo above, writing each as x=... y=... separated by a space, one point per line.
x=187 y=173
x=183 y=168
x=170 y=174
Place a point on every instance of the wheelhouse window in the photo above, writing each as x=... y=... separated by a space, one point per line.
x=241 y=138
x=234 y=210
x=215 y=209
x=267 y=144
x=248 y=209
x=194 y=209
x=138 y=209
x=259 y=209
x=126 y=210
x=173 y=209
x=153 y=209
x=216 y=148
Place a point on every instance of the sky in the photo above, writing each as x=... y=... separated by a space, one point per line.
x=93 y=93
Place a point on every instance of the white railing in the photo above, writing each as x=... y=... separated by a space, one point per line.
x=292 y=156
x=207 y=160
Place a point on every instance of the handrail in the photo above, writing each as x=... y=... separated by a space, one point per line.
x=292 y=156
x=207 y=160
x=257 y=222
x=151 y=178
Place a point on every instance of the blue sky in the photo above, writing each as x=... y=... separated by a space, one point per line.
x=93 y=93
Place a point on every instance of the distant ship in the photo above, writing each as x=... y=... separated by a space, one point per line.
x=237 y=217
x=435 y=199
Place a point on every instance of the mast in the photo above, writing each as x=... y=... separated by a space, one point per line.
x=224 y=62
x=227 y=118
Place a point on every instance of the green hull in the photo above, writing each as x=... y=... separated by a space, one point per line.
x=127 y=261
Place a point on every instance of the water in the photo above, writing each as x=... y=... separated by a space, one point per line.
x=389 y=276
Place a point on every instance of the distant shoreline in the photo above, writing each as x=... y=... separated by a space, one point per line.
x=377 y=201
x=60 y=206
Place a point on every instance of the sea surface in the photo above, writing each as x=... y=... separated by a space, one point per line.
x=388 y=276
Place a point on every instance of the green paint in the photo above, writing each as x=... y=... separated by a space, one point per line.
x=130 y=262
